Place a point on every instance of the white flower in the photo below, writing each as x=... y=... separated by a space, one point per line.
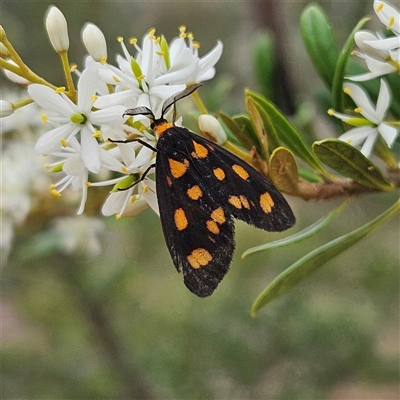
x=57 y=29
x=381 y=55
x=373 y=124
x=72 y=119
x=6 y=108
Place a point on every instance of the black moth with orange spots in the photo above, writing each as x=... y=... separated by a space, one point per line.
x=201 y=189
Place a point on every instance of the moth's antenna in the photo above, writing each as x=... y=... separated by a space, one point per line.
x=173 y=99
x=143 y=110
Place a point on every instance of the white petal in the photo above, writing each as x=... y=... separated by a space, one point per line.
x=116 y=202
x=369 y=144
x=108 y=116
x=73 y=165
x=90 y=151
x=127 y=97
x=144 y=156
x=50 y=141
x=386 y=13
x=87 y=88
x=94 y=41
x=56 y=26
x=389 y=133
x=48 y=99
x=385 y=44
x=210 y=59
x=363 y=39
x=383 y=101
x=186 y=74
x=356 y=136
x=361 y=98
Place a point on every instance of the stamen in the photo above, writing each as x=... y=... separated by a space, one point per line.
x=44 y=118
x=358 y=110
x=116 y=79
x=93 y=98
x=103 y=60
x=63 y=142
x=133 y=40
x=120 y=39
x=391 y=22
x=152 y=32
x=160 y=53
x=88 y=184
x=61 y=89
x=55 y=193
x=118 y=216
x=145 y=189
x=347 y=90
x=96 y=134
x=73 y=67
x=379 y=8
x=196 y=45
x=133 y=198
x=330 y=112
x=124 y=169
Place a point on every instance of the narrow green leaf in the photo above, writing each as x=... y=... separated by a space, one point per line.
x=340 y=70
x=304 y=234
x=283 y=171
x=351 y=163
x=236 y=131
x=318 y=257
x=319 y=42
x=286 y=132
x=247 y=131
x=258 y=127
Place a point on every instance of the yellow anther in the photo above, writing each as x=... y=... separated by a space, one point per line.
x=63 y=142
x=124 y=169
x=196 y=45
x=358 y=110
x=160 y=53
x=152 y=32
x=55 y=193
x=44 y=118
x=52 y=186
x=330 y=111
x=133 y=40
x=96 y=134
x=87 y=184
x=61 y=89
x=116 y=79
x=391 y=22
x=182 y=29
x=379 y=8
x=157 y=41
x=190 y=36
x=152 y=37
x=93 y=98
x=103 y=60
x=133 y=198
x=73 y=67
x=47 y=165
x=347 y=90
x=140 y=77
x=120 y=39
x=145 y=189
x=118 y=216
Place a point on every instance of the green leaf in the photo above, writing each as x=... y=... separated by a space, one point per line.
x=285 y=131
x=236 y=131
x=283 y=171
x=318 y=257
x=248 y=132
x=340 y=70
x=304 y=234
x=319 y=42
x=351 y=163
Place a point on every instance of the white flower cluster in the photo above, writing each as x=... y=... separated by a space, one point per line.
x=77 y=139
x=382 y=57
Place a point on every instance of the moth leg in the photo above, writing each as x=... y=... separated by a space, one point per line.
x=142 y=178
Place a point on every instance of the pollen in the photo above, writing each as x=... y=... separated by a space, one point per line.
x=240 y=171
x=178 y=168
x=219 y=174
x=199 y=150
x=44 y=118
x=63 y=142
x=199 y=258
x=266 y=202
x=181 y=221
x=194 y=192
x=391 y=22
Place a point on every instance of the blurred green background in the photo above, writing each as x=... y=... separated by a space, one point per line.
x=124 y=326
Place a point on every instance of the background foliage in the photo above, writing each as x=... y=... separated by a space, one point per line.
x=124 y=326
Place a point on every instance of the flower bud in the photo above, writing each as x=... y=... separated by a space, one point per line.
x=56 y=26
x=95 y=42
x=212 y=129
x=13 y=77
x=4 y=51
x=6 y=108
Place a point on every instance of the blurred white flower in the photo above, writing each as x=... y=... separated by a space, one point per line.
x=57 y=29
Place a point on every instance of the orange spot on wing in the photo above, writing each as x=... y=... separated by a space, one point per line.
x=212 y=227
x=181 y=221
x=235 y=201
x=199 y=258
x=199 y=150
x=266 y=202
x=178 y=168
x=240 y=171
x=218 y=215
x=194 y=192
x=219 y=174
